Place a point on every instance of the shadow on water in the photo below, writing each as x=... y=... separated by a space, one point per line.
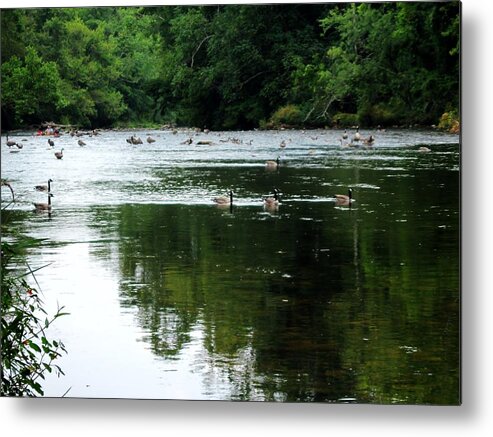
x=320 y=302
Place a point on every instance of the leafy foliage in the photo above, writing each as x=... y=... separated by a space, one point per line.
x=287 y=115
x=230 y=66
x=388 y=63
x=30 y=87
x=449 y=121
x=27 y=352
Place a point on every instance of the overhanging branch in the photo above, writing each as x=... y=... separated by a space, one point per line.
x=198 y=48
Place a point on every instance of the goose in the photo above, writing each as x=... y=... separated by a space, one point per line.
x=44 y=206
x=283 y=144
x=59 y=155
x=188 y=142
x=272 y=202
x=273 y=164
x=345 y=135
x=150 y=140
x=46 y=188
x=357 y=135
x=369 y=141
x=136 y=140
x=224 y=200
x=19 y=146
x=81 y=143
x=10 y=143
x=342 y=199
x=132 y=140
x=51 y=142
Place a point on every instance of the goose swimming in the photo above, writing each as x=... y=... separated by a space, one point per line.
x=343 y=199
x=44 y=188
x=272 y=201
x=224 y=200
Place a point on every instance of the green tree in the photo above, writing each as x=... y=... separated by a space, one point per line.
x=389 y=63
x=138 y=44
x=31 y=89
x=90 y=68
x=232 y=66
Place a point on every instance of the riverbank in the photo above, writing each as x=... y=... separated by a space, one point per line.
x=448 y=123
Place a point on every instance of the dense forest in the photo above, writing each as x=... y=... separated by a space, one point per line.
x=232 y=66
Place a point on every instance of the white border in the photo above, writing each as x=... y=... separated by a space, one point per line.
x=130 y=418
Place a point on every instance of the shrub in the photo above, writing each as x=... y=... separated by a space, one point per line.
x=344 y=119
x=388 y=113
x=27 y=353
x=289 y=115
x=382 y=114
x=449 y=121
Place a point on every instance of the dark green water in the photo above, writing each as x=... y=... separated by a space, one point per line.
x=314 y=302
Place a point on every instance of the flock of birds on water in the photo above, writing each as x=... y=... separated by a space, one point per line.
x=271 y=201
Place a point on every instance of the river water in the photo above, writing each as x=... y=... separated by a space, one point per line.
x=173 y=297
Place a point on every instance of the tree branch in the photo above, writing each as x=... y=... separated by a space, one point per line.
x=198 y=48
x=250 y=78
x=324 y=112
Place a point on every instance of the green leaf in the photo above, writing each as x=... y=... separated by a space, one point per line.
x=37 y=388
x=34 y=346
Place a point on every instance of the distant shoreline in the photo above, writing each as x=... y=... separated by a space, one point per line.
x=197 y=130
